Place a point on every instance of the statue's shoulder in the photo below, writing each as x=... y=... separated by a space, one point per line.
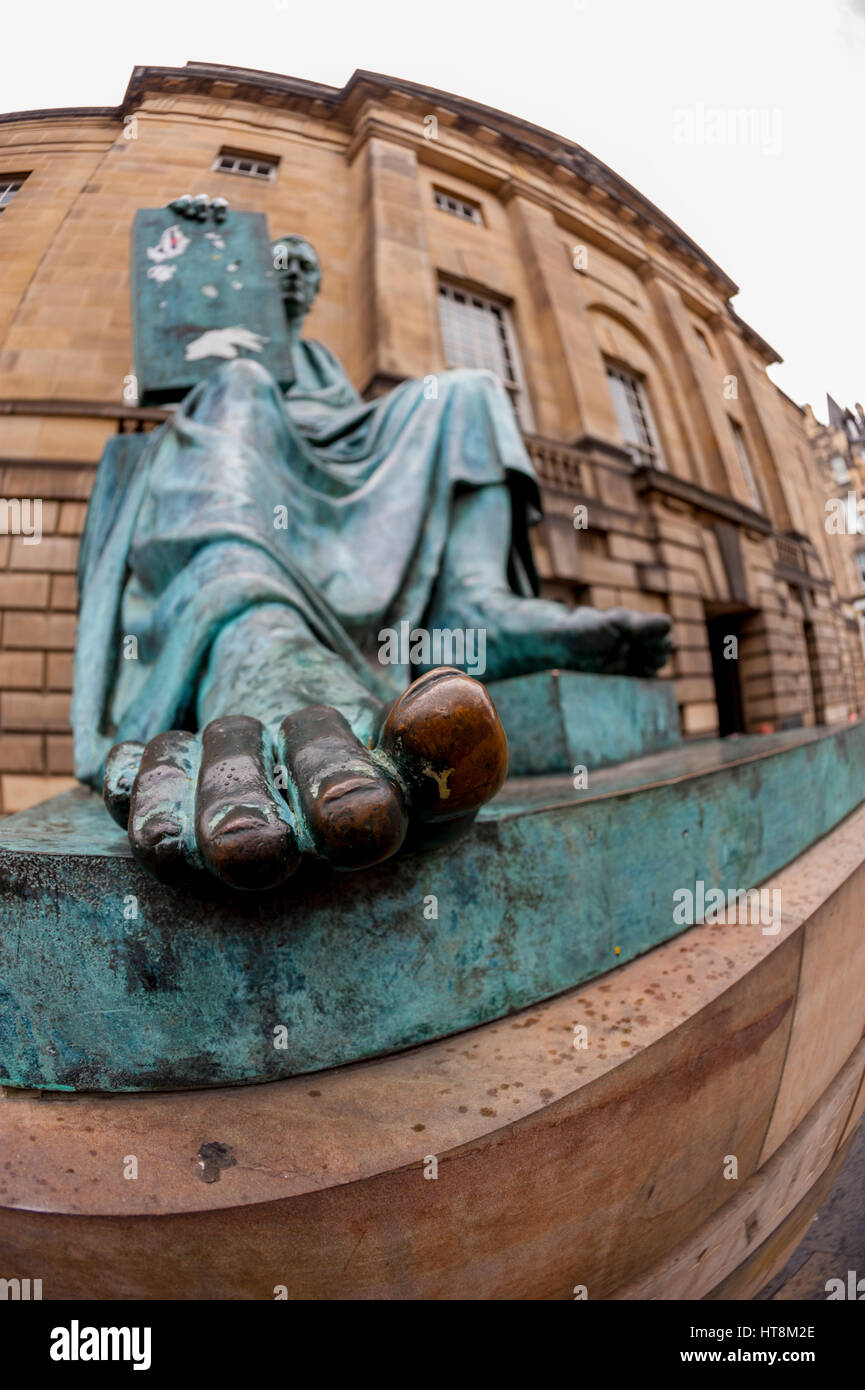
x=322 y=352
x=327 y=367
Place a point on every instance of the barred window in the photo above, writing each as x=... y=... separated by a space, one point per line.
x=9 y=186
x=459 y=207
x=635 y=417
x=254 y=166
x=477 y=332
x=745 y=461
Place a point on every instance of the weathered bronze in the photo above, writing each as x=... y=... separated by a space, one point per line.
x=235 y=695
x=115 y=981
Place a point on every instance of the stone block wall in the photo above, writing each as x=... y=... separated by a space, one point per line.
x=38 y=599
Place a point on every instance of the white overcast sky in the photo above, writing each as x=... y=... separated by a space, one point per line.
x=634 y=81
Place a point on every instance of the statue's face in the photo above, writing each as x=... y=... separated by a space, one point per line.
x=298 y=272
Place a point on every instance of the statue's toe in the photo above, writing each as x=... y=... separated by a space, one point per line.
x=215 y=802
x=652 y=627
x=640 y=627
x=242 y=826
x=353 y=814
x=121 y=769
x=161 y=803
x=447 y=744
x=647 y=657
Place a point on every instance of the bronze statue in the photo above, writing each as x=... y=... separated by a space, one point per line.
x=262 y=549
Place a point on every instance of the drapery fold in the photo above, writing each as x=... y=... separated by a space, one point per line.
x=336 y=507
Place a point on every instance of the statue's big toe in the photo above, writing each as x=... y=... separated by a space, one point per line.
x=447 y=744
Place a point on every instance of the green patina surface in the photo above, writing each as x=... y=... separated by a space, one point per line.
x=410 y=510
x=201 y=293
x=190 y=990
x=559 y=720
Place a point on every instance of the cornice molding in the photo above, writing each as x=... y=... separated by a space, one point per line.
x=614 y=454
x=654 y=480
x=63 y=113
x=562 y=161
x=750 y=335
x=371 y=127
x=494 y=129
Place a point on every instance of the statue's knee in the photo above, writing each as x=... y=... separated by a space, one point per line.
x=242 y=374
x=471 y=381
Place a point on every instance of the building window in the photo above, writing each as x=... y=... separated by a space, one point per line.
x=477 y=332
x=458 y=207
x=745 y=461
x=9 y=186
x=860 y=566
x=253 y=166
x=840 y=471
x=635 y=417
x=703 y=341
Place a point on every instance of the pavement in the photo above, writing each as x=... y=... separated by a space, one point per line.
x=834 y=1243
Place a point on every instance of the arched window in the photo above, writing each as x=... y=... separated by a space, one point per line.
x=635 y=417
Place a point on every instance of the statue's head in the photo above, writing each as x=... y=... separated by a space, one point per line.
x=299 y=274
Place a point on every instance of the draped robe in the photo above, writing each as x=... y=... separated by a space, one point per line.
x=334 y=506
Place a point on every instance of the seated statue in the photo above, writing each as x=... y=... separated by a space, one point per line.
x=230 y=698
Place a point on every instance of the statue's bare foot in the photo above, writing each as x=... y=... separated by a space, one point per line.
x=533 y=634
x=246 y=807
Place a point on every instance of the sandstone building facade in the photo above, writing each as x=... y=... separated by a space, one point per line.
x=838 y=449
x=676 y=477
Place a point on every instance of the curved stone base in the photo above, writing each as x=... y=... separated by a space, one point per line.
x=605 y=1166
x=111 y=981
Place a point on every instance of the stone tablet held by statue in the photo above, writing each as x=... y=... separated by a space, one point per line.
x=204 y=291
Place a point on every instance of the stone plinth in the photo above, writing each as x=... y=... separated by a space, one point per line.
x=721 y=1042
x=113 y=981
x=561 y=720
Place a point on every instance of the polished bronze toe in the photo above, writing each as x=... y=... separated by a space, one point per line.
x=447 y=743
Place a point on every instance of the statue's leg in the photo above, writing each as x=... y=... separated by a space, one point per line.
x=297 y=757
x=530 y=634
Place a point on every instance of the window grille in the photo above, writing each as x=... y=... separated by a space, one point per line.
x=458 y=207
x=478 y=332
x=635 y=417
x=252 y=166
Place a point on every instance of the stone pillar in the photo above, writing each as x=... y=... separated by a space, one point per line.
x=396 y=328
x=574 y=363
x=711 y=443
x=760 y=432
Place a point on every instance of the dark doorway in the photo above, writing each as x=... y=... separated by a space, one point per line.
x=725 y=669
x=814 y=671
